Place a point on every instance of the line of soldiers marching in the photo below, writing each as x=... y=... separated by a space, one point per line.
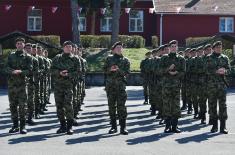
x=198 y=74
x=29 y=72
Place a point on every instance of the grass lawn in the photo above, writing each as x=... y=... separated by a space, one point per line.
x=95 y=60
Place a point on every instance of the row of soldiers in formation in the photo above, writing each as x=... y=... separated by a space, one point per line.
x=29 y=73
x=198 y=74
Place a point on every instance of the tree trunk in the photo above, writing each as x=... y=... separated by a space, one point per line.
x=75 y=21
x=115 y=20
x=93 y=17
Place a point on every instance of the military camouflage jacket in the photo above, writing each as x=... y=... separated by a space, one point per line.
x=214 y=62
x=18 y=60
x=165 y=62
x=123 y=65
x=64 y=62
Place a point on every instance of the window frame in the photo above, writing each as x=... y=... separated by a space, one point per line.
x=34 y=22
x=136 y=21
x=85 y=24
x=226 y=24
x=108 y=20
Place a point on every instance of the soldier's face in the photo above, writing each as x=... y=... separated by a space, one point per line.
x=200 y=53
x=34 y=51
x=218 y=49
x=166 y=50
x=173 y=48
x=208 y=51
x=28 y=49
x=20 y=45
x=68 y=49
x=46 y=53
x=118 y=50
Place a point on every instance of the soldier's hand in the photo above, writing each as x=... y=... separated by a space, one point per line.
x=114 y=68
x=221 y=71
x=64 y=73
x=16 y=72
x=172 y=66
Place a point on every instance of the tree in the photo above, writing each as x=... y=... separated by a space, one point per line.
x=115 y=20
x=75 y=21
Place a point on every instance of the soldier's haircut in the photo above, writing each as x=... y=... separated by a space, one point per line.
x=28 y=45
x=217 y=43
x=67 y=43
x=173 y=42
x=116 y=44
x=193 y=50
x=199 y=48
x=34 y=46
x=187 y=49
x=20 y=39
x=207 y=46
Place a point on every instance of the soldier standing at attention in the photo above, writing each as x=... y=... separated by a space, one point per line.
x=172 y=67
x=117 y=67
x=145 y=76
x=19 y=66
x=30 y=85
x=217 y=68
x=64 y=71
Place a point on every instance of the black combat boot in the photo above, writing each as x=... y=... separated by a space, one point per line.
x=196 y=116
x=203 y=118
x=184 y=106
x=76 y=116
x=123 y=130
x=175 y=128
x=75 y=122
x=168 y=125
x=210 y=121
x=62 y=128
x=189 y=108
x=22 y=127
x=214 y=126
x=113 y=126
x=145 y=99
x=69 y=127
x=223 y=127
x=15 y=127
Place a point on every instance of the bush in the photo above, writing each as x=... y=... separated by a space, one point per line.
x=195 y=40
x=154 y=41
x=103 y=41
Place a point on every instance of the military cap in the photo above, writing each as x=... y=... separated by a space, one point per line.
x=154 y=50
x=28 y=44
x=148 y=53
x=161 y=47
x=217 y=43
x=20 y=39
x=193 y=50
x=199 y=48
x=67 y=43
x=187 y=50
x=116 y=44
x=173 y=42
x=34 y=46
x=207 y=46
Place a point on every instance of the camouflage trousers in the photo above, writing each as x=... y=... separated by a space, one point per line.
x=83 y=90
x=75 y=99
x=64 y=98
x=37 y=97
x=18 y=100
x=158 y=98
x=217 y=96
x=41 y=91
x=189 y=94
x=171 y=102
x=183 y=91
x=46 y=89
x=31 y=99
x=202 y=98
x=146 y=87
x=151 y=95
x=117 y=97
x=194 y=96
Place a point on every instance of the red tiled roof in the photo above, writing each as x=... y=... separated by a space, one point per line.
x=220 y=7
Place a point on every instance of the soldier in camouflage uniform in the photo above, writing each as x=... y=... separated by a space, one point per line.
x=42 y=67
x=172 y=67
x=47 y=90
x=201 y=86
x=185 y=82
x=207 y=52
x=19 y=66
x=30 y=85
x=145 y=75
x=117 y=67
x=217 y=67
x=64 y=70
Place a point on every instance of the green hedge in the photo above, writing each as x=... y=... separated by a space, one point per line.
x=103 y=41
x=154 y=41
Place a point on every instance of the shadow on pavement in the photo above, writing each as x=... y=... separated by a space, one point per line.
x=197 y=138
x=135 y=95
x=147 y=139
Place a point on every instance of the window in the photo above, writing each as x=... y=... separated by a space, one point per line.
x=82 y=23
x=136 y=21
x=106 y=24
x=35 y=20
x=226 y=24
